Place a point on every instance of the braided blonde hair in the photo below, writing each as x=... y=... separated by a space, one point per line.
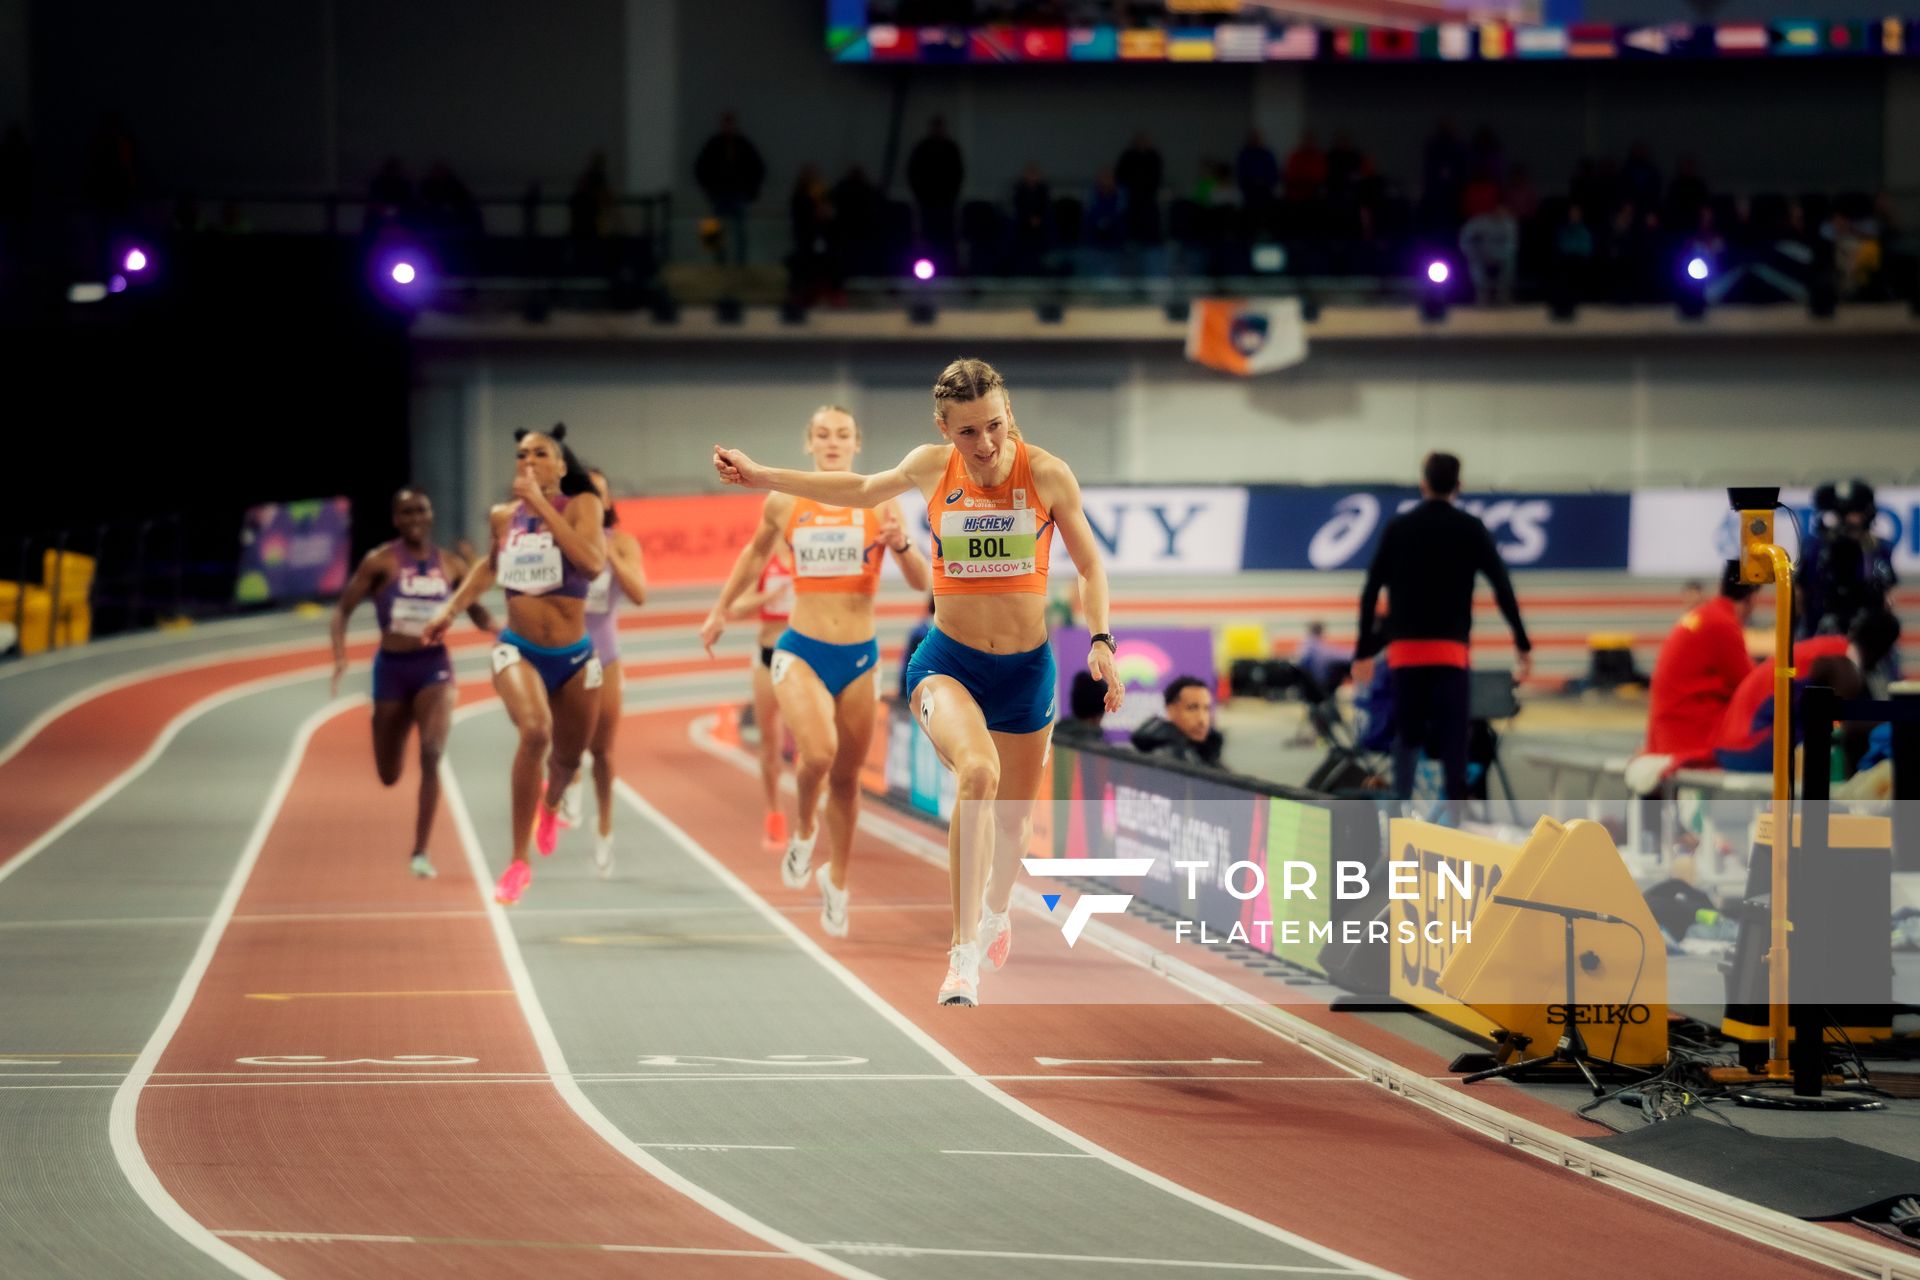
x=965 y=381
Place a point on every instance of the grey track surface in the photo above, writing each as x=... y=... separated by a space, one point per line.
x=697 y=973
x=97 y=931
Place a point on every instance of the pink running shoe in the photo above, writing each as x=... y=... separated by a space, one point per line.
x=513 y=882
x=996 y=939
x=546 y=830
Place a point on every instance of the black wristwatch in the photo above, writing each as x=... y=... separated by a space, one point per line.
x=1105 y=638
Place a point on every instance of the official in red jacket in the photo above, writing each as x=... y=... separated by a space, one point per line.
x=1701 y=664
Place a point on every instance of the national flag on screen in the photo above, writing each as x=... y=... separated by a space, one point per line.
x=1540 y=42
x=1246 y=338
x=1297 y=43
x=1737 y=39
x=1350 y=42
x=1893 y=36
x=1796 y=37
x=1847 y=37
x=1392 y=43
x=1043 y=44
x=1496 y=40
x=1654 y=42
x=1453 y=42
x=1239 y=42
x=1093 y=44
x=893 y=43
x=1190 y=44
x=1146 y=45
x=1591 y=40
x=943 y=44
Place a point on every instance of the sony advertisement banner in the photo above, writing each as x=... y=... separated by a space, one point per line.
x=1692 y=532
x=1332 y=528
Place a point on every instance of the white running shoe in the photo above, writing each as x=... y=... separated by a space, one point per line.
x=603 y=855
x=833 y=904
x=996 y=938
x=570 y=802
x=421 y=867
x=962 y=986
x=799 y=860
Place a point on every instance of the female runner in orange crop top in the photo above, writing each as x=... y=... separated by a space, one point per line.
x=823 y=665
x=982 y=683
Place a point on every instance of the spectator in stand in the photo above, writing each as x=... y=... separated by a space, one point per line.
x=856 y=223
x=1255 y=170
x=1186 y=731
x=810 y=212
x=390 y=199
x=1306 y=173
x=447 y=204
x=1490 y=243
x=1701 y=664
x=1343 y=167
x=730 y=171
x=1139 y=173
x=590 y=207
x=1086 y=703
x=1573 y=254
x=1032 y=221
x=1522 y=197
x=1686 y=194
x=1427 y=560
x=1326 y=663
x=1104 y=224
x=1639 y=179
x=935 y=174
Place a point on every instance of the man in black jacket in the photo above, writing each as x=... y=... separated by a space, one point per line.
x=1186 y=732
x=1427 y=559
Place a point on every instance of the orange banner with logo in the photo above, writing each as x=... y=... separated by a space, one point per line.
x=692 y=539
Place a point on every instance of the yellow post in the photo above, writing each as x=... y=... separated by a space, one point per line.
x=1761 y=561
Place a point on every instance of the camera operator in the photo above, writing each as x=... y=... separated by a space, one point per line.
x=1845 y=578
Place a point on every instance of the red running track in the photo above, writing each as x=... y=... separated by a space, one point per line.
x=472 y=1165
x=1329 y=1157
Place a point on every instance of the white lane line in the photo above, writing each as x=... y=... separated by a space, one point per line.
x=954 y=1065
x=151 y=640
x=275 y=1080
x=122 y=1128
x=857 y=1248
x=709 y=1146
x=1038 y=1155
x=450 y=913
x=329 y=1237
x=211 y=702
x=910 y=1251
x=555 y=1059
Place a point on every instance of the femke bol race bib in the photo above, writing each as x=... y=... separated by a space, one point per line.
x=530 y=563
x=831 y=551
x=988 y=544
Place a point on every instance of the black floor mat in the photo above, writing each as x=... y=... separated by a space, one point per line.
x=1812 y=1178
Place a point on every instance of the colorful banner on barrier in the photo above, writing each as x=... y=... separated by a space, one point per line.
x=691 y=539
x=294 y=550
x=1338 y=528
x=1148 y=660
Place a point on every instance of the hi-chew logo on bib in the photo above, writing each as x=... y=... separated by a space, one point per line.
x=999 y=544
x=828 y=552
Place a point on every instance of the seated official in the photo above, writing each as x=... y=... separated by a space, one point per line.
x=1086 y=703
x=1701 y=665
x=1186 y=732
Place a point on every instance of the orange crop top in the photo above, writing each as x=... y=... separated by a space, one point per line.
x=834 y=548
x=990 y=541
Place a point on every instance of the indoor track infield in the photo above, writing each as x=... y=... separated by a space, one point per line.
x=239 y=1039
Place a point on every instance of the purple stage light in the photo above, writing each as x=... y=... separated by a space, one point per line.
x=1697 y=268
x=923 y=269
x=136 y=260
x=403 y=272
x=117 y=285
x=1437 y=272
